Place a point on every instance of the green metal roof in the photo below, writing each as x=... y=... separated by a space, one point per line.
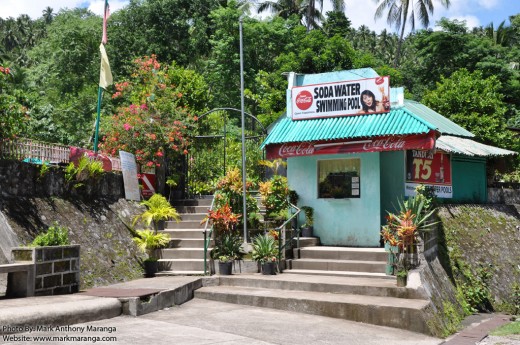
x=399 y=121
x=468 y=147
x=443 y=125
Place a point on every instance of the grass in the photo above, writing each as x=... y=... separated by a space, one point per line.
x=508 y=329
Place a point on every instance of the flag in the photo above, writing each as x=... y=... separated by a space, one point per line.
x=105 y=74
x=106 y=14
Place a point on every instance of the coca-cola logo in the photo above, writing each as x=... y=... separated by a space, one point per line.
x=304 y=100
x=300 y=149
x=389 y=143
x=380 y=80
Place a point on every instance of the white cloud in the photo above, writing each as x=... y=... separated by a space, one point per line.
x=488 y=4
x=34 y=8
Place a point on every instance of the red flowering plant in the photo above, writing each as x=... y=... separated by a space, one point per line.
x=151 y=118
x=402 y=230
x=223 y=219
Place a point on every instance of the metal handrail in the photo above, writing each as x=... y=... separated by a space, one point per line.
x=207 y=239
x=279 y=230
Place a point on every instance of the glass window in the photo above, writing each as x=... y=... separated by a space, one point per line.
x=339 y=178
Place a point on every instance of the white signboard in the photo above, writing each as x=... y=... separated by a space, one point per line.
x=129 y=168
x=353 y=97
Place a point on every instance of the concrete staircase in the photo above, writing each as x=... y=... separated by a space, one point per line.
x=376 y=301
x=339 y=261
x=185 y=254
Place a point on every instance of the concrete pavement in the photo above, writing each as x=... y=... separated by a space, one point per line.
x=208 y=322
x=87 y=319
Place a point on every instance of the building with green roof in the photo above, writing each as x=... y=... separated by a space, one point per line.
x=354 y=147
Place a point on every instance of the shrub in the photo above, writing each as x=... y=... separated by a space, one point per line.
x=54 y=236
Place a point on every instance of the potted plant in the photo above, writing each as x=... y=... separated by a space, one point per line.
x=158 y=209
x=227 y=250
x=402 y=276
x=265 y=252
x=225 y=265
x=401 y=232
x=307 y=227
x=148 y=241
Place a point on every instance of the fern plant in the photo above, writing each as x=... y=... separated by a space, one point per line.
x=158 y=208
x=148 y=241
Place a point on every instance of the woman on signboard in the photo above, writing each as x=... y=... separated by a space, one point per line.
x=369 y=104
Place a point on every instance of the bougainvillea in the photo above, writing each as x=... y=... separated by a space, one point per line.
x=151 y=118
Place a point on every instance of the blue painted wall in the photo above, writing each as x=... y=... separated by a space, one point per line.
x=340 y=222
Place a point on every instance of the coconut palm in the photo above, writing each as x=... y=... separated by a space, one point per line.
x=401 y=11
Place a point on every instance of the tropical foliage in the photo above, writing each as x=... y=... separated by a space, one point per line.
x=49 y=91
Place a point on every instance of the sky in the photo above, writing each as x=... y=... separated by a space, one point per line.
x=474 y=12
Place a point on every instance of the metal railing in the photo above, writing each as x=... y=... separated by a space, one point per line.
x=281 y=247
x=207 y=239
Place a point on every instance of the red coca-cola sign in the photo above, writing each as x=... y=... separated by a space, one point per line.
x=304 y=100
x=296 y=149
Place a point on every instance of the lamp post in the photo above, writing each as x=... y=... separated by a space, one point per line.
x=244 y=216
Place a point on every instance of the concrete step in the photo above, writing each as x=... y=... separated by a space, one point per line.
x=179 y=273
x=339 y=273
x=183 y=253
x=339 y=265
x=192 y=209
x=373 y=286
x=384 y=311
x=198 y=217
x=185 y=233
x=193 y=202
x=181 y=264
x=188 y=224
x=308 y=242
x=344 y=253
x=188 y=243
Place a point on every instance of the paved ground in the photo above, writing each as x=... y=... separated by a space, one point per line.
x=208 y=322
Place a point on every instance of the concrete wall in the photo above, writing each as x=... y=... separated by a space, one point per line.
x=340 y=222
x=506 y=196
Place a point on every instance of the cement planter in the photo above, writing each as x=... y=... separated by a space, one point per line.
x=307 y=231
x=56 y=268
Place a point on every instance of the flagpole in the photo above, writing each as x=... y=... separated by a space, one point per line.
x=98 y=119
x=105 y=75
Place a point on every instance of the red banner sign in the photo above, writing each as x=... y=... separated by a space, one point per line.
x=390 y=143
x=431 y=169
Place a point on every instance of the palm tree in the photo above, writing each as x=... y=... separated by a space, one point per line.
x=401 y=11
x=48 y=15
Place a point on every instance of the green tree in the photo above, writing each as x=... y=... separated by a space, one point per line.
x=64 y=75
x=401 y=11
x=12 y=112
x=475 y=103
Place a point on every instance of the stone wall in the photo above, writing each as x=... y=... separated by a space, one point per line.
x=96 y=215
x=24 y=179
x=506 y=196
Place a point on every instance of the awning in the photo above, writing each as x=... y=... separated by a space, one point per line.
x=469 y=147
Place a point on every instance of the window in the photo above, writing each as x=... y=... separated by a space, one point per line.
x=339 y=178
